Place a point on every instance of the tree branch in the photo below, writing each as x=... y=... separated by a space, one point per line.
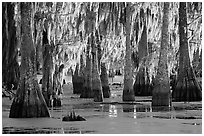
x=194 y=20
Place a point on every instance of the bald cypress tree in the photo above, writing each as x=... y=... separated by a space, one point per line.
x=187 y=87
x=29 y=101
x=161 y=91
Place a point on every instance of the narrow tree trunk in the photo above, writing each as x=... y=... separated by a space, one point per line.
x=47 y=80
x=87 y=91
x=39 y=42
x=77 y=78
x=29 y=101
x=76 y=81
x=142 y=85
x=58 y=90
x=161 y=89
x=81 y=74
x=104 y=81
x=10 y=67
x=187 y=87
x=128 y=93
x=96 y=81
x=102 y=69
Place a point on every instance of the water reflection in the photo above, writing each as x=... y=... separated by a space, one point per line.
x=112 y=111
x=70 y=130
x=160 y=108
x=135 y=112
x=136 y=108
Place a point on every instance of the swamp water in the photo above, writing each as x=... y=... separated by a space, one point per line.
x=110 y=117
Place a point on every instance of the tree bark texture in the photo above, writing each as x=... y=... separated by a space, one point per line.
x=128 y=92
x=104 y=81
x=78 y=77
x=161 y=90
x=87 y=91
x=10 y=67
x=142 y=86
x=75 y=80
x=197 y=63
x=102 y=69
x=58 y=85
x=29 y=101
x=47 y=79
x=187 y=87
x=96 y=81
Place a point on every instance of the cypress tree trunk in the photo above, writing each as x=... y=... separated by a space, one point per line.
x=96 y=81
x=142 y=85
x=77 y=78
x=160 y=96
x=29 y=101
x=104 y=81
x=10 y=67
x=187 y=87
x=47 y=82
x=87 y=91
x=102 y=69
x=128 y=93
x=81 y=74
x=58 y=85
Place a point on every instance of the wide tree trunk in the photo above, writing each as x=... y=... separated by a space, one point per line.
x=104 y=81
x=29 y=101
x=10 y=67
x=87 y=91
x=142 y=82
x=96 y=81
x=128 y=92
x=187 y=87
x=161 y=91
x=47 y=80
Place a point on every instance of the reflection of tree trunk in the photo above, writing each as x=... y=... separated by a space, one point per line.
x=10 y=68
x=87 y=91
x=47 y=81
x=160 y=94
x=187 y=87
x=142 y=85
x=128 y=93
x=104 y=81
x=96 y=81
x=29 y=101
